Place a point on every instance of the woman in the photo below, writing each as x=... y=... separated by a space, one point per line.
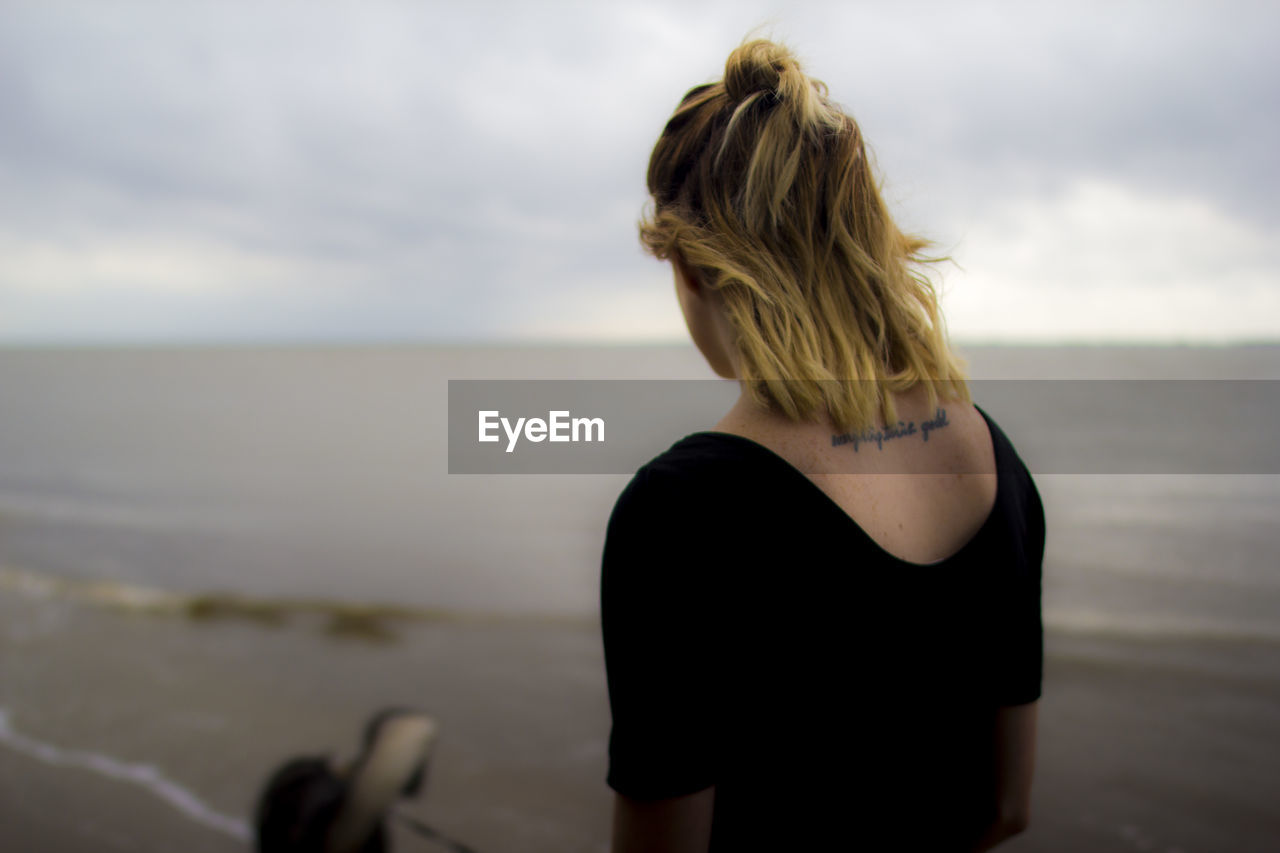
x=821 y=618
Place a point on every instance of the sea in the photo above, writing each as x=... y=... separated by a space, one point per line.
x=146 y=476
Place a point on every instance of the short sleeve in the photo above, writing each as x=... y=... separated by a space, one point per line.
x=1020 y=638
x=658 y=637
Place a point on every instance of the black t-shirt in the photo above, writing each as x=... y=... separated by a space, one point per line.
x=756 y=639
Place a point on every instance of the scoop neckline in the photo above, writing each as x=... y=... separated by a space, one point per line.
x=825 y=498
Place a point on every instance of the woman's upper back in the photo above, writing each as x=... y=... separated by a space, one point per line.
x=920 y=490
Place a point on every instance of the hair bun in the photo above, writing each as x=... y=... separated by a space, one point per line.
x=757 y=66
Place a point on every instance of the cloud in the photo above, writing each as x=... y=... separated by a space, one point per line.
x=1102 y=260
x=178 y=264
x=441 y=170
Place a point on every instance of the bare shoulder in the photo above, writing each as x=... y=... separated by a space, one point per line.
x=968 y=439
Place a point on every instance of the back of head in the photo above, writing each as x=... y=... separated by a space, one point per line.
x=762 y=187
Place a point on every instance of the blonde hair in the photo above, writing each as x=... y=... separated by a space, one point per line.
x=761 y=186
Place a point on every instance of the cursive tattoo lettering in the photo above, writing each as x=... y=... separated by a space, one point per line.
x=879 y=435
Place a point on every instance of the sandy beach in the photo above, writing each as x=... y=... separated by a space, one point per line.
x=1148 y=744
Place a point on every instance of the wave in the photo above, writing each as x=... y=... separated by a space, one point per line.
x=363 y=620
x=147 y=776
x=113 y=513
x=1092 y=623
x=377 y=621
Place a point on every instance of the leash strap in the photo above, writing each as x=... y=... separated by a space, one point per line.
x=432 y=835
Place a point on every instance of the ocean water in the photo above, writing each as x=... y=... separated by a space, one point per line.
x=146 y=475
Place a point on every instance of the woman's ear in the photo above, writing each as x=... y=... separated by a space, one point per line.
x=705 y=318
x=685 y=275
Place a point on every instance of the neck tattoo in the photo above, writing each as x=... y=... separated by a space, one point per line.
x=879 y=435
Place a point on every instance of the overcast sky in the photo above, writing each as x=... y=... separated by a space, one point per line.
x=192 y=171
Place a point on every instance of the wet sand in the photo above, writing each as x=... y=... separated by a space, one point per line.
x=217 y=704
x=1155 y=744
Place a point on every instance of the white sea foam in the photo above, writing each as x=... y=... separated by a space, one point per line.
x=114 y=594
x=147 y=776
